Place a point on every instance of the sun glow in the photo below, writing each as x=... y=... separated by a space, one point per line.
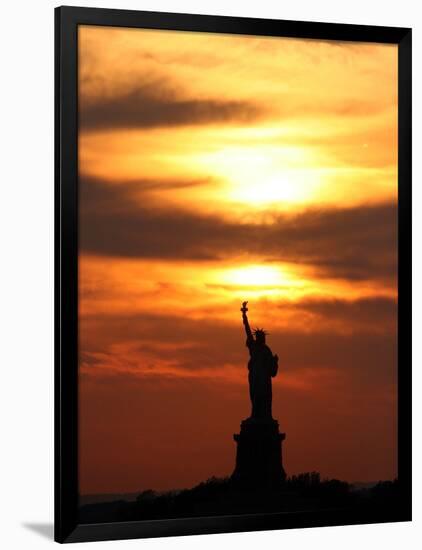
x=263 y=175
x=260 y=276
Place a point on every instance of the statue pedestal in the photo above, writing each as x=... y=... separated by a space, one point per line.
x=259 y=457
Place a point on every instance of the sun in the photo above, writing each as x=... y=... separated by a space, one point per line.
x=254 y=276
x=262 y=175
x=276 y=188
x=256 y=280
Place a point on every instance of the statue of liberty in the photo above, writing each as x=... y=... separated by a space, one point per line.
x=262 y=366
x=259 y=460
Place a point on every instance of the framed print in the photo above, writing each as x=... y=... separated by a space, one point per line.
x=233 y=274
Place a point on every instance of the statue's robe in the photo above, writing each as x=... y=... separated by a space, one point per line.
x=262 y=367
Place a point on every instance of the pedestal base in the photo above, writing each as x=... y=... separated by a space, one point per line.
x=259 y=457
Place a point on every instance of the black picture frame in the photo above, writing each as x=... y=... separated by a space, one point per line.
x=67 y=20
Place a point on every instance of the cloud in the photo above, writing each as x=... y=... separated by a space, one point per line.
x=152 y=106
x=351 y=243
x=376 y=311
x=365 y=354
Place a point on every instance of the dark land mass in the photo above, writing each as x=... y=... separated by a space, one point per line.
x=221 y=497
x=107 y=497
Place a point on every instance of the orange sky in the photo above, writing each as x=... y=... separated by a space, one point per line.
x=216 y=169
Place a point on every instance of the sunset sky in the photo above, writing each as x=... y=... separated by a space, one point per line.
x=215 y=169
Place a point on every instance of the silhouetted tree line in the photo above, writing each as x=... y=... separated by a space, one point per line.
x=218 y=496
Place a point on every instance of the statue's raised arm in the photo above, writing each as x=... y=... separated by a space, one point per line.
x=248 y=331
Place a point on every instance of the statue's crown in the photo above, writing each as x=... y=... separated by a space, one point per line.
x=260 y=331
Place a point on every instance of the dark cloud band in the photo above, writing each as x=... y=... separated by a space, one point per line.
x=369 y=356
x=145 y=108
x=352 y=243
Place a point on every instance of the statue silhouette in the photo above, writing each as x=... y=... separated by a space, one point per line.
x=262 y=366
